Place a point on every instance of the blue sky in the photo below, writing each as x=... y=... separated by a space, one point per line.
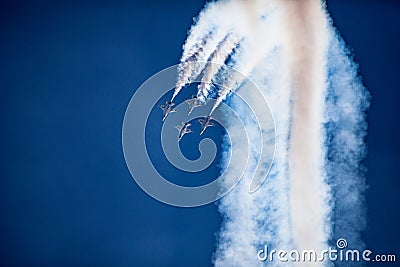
x=68 y=72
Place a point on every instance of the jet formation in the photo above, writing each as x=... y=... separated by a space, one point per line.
x=183 y=129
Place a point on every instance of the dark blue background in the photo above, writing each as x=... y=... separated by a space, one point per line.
x=68 y=70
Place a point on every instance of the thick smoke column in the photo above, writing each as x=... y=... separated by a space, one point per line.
x=305 y=47
x=314 y=193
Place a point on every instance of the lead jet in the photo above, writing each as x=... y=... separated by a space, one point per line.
x=193 y=103
x=183 y=129
x=205 y=123
x=167 y=109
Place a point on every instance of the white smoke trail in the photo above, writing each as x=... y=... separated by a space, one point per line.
x=202 y=41
x=186 y=69
x=291 y=51
x=217 y=58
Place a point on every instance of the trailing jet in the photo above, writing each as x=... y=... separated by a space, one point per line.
x=205 y=123
x=183 y=129
x=167 y=109
x=193 y=103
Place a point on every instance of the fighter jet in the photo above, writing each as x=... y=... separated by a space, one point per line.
x=193 y=103
x=183 y=129
x=167 y=109
x=205 y=123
